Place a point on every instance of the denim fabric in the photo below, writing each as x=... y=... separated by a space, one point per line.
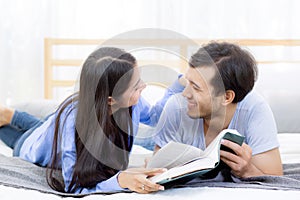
x=21 y=123
x=9 y=135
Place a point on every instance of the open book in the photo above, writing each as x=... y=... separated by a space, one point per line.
x=185 y=162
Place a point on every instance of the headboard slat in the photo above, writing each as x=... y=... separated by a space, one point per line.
x=50 y=62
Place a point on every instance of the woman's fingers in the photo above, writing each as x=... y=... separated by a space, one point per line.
x=145 y=186
x=136 y=180
x=151 y=186
x=154 y=171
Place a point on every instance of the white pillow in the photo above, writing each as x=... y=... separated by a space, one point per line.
x=39 y=108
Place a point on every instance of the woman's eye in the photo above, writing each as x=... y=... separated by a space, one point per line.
x=137 y=88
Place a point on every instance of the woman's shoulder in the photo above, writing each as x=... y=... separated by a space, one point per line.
x=66 y=115
x=69 y=106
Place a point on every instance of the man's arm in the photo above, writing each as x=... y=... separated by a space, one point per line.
x=260 y=156
x=269 y=162
x=243 y=164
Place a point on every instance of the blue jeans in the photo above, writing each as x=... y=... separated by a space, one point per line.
x=21 y=126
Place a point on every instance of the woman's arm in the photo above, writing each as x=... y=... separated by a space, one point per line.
x=150 y=114
x=132 y=179
x=135 y=179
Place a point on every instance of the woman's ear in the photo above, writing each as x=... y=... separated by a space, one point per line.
x=111 y=101
x=229 y=97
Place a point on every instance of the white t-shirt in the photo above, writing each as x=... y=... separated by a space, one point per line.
x=253 y=119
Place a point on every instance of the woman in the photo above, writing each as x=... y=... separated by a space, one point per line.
x=90 y=135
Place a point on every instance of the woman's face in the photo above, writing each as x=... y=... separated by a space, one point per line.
x=131 y=96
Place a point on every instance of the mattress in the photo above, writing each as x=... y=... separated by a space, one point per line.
x=290 y=152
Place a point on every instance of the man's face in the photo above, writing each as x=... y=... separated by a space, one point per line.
x=199 y=92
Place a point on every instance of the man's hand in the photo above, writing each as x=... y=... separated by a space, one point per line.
x=241 y=163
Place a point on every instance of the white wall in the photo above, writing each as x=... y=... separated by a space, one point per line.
x=24 y=24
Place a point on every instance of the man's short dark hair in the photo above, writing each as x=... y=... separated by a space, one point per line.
x=236 y=66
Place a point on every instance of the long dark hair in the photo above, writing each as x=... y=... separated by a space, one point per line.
x=103 y=140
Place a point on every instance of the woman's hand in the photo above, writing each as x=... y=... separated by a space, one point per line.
x=182 y=80
x=136 y=180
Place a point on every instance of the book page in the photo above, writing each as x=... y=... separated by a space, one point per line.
x=206 y=159
x=174 y=154
x=213 y=149
x=196 y=165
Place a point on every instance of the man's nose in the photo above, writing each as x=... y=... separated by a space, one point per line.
x=186 y=92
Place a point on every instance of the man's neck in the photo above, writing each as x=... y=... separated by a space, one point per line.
x=213 y=125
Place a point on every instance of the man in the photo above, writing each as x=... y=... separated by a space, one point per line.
x=218 y=95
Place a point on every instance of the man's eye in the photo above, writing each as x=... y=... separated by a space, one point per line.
x=196 y=88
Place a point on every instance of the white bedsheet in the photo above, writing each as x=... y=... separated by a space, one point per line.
x=5 y=150
x=8 y=193
x=290 y=152
x=289 y=147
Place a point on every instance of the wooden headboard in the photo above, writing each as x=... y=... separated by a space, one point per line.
x=52 y=63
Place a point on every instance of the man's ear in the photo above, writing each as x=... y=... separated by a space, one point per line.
x=228 y=97
x=111 y=101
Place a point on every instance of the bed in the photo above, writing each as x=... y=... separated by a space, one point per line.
x=283 y=99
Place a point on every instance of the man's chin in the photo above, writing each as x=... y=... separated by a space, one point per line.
x=193 y=115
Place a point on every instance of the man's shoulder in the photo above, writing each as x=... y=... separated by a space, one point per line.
x=252 y=100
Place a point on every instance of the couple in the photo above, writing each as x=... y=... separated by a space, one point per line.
x=90 y=136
